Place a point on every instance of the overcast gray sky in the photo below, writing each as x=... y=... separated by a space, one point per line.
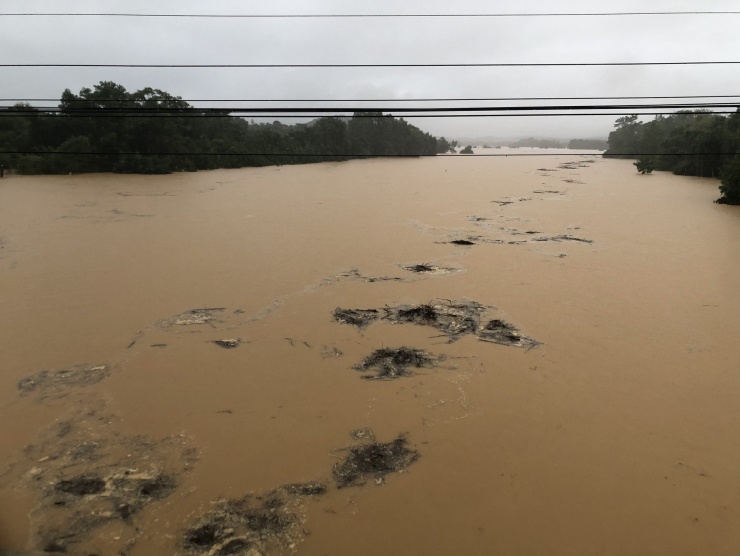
x=101 y=40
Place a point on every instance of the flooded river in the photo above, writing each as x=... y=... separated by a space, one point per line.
x=179 y=369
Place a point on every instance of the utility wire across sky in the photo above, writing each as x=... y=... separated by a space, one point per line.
x=496 y=99
x=345 y=155
x=407 y=65
x=383 y=15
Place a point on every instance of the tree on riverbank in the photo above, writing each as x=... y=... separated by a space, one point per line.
x=689 y=143
x=108 y=129
x=730 y=187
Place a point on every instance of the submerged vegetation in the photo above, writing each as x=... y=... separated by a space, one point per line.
x=689 y=143
x=108 y=129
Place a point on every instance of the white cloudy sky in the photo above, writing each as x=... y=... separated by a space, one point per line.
x=101 y=40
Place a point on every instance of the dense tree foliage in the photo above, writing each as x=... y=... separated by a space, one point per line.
x=691 y=143
x=730 y=187
x=645 y=165
x=108 y=129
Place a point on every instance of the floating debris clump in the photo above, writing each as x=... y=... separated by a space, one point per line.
x=501 y=332
x=252 y=525
x=390 y=363
x=89 y=478
x=563 y=237
x=356 y=317
x=193 y=317
x=227 y=343
x=373 y=461
x=453 y=318
x=55 y=380
x=427 y=268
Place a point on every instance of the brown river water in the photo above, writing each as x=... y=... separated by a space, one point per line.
x=618 y=433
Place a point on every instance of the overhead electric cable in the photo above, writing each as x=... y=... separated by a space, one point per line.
x=460 y=99
x=93 y=114
x=356 y=16
x=345 y=155
x=408 y=65
x=138 y=109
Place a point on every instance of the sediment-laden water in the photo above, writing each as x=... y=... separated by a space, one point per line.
x=433 y=356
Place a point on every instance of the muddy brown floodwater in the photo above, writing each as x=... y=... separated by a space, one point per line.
x=433 y=356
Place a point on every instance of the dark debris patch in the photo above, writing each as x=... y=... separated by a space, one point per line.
x=428 y=268
x=193 y=317
x=501 y=332
x=227 y=343
x=81 y=486
x=391 y=363
x=563 y=237
x=89 y=477
x=356 y=274
x=373 y=461
x=455 y=319
x=53 y=380
x=92 y=500
x=356 y=317
x=504 y=202
x=305 y=489
x=421 y=267
x=462 y=242
x=252 y=525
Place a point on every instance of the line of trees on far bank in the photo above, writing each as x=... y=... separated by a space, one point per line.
x=145 y=130
x=690 y=143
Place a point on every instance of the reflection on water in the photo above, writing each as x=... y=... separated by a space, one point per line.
x=181 y=354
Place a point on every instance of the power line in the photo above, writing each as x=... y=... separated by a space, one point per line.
x=375 y=109
x=465 y=99
x=92 y=114
x=138 y=111
x=314 y=116
x=345 y=155
x=383 y=15
x=408 y=65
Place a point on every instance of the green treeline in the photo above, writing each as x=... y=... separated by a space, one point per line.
x=690 y=143
x=143 y=132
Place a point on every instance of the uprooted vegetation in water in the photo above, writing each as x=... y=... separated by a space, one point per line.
x=89 y=477
x=54 y=382
x=356 y=317
x=254 y=524
x=373 y=461
x=228 y=343
x=505 y=202
x=428 y=268
x=501 y=332
x=259 y=524
x=563 y=237
x=193 y=317
x=453 y=318
x=390 y=363
x=575 y=164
